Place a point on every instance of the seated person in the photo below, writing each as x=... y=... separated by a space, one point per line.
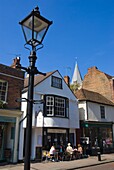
x=61 y=152
x=80 y=150
x=75 y=152
x=69 y=150
x=75 y=149
x=52 y=152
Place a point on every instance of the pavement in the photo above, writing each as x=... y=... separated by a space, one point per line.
x=64 y=165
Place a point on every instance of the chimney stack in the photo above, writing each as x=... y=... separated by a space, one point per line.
x=67 y=80
x=16 y=63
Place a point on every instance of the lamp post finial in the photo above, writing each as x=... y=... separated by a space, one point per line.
x=37 y=9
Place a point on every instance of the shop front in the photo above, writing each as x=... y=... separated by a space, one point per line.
x=2 y=136
x=56 y=136
x=99 y=135
x=7 y=132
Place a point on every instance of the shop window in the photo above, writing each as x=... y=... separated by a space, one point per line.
x=3 y=90
x=102 y=110
x=56 y=106
x=56 y=82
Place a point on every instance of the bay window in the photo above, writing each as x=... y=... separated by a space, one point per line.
x=56 y=106
x=50 y=105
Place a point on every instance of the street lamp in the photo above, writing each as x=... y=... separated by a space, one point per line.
x=34 y=28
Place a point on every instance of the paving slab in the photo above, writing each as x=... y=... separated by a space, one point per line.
x=64 y=165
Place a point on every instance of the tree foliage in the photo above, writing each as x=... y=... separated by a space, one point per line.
x=75 y=86
x=2 y=104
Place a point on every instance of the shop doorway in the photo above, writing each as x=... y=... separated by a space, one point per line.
x=2 y=141
x=7 y=135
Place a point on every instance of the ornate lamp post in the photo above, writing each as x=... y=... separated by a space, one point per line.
x=34 y=28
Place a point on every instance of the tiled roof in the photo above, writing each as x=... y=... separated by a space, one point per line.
x=38 y=78
x=87 y=95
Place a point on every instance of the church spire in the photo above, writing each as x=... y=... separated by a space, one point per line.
x=77 y=78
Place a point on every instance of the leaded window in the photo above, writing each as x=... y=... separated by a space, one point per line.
x=50 y=105
x=59 y=107
x=56 y=106
x=56 y=82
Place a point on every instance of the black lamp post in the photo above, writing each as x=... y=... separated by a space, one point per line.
x=34 y=28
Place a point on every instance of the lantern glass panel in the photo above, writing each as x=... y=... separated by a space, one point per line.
x=34 y=32
x=27 y=33
x=39 y=24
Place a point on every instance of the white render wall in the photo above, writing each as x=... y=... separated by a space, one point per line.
x=24 y=108
x=95 y=115
x=94 y=112
x=82 y=110
x=21 y=142
x=45 y=88
x=36 y=141
x=38 y=121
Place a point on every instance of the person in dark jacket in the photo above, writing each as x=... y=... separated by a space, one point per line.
x=61 y=152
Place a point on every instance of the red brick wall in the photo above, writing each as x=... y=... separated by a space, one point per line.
x=98 y=81
x=15 y=85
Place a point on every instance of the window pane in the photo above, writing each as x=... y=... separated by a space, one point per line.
x=3 y=90
x=57 y=82
x=59 y=107
x=50 y=105
x=102 y=110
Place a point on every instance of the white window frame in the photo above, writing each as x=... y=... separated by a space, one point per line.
x=56 y=106
x=60 y=106
x=3 y=90
x=56 y=82
x=50 y=105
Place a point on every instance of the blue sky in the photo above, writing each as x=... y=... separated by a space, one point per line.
x=81 y=29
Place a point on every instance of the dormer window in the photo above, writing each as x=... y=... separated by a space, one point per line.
x=56 y=82
x=3 y=90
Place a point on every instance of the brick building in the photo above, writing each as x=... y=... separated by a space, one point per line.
x=11 y=85
x=100 y=82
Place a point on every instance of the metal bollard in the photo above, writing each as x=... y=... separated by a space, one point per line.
x=99 y=156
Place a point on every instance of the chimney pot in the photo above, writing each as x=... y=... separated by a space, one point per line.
x=16 y=62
